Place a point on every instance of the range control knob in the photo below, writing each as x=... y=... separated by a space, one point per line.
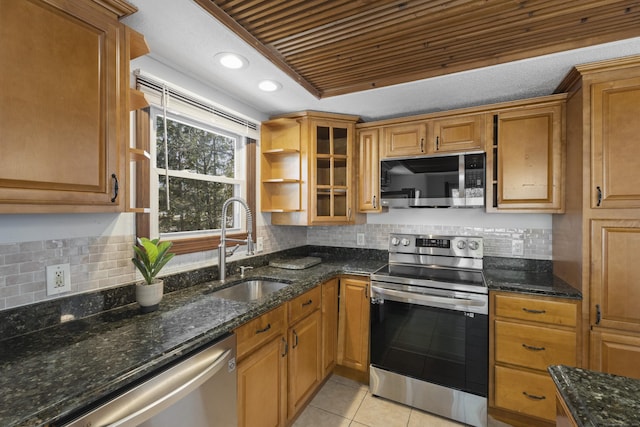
x=405 y=242
x=473 y=245
x=395 y=241
x=461 y=244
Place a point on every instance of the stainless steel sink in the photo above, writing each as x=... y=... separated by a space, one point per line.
x=250 y=290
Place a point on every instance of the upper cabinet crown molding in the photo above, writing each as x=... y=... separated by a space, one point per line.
x=119 y=8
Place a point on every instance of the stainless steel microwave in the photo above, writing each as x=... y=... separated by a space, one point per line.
x=434 y=182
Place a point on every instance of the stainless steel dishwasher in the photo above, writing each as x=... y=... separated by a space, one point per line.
x=199 y=391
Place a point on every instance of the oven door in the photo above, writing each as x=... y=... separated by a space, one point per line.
x=431 y=335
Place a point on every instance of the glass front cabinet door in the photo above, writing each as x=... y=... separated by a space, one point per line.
x=332 y=174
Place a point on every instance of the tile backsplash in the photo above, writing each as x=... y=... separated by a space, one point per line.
x=499 y=242
x=104 y=262
x=95 y=262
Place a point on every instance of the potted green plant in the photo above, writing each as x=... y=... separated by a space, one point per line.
x=150 y=257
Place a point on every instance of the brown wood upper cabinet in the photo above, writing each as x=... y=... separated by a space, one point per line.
x=455 y=134
x=63 y=106
x=526 y=158
x=308 y=175
x=369 y=171
x=615 y=149
x=405 y=140
x=441 y=135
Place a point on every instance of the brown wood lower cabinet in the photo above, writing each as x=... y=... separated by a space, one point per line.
x=262 y=370
x=262 y=385
x=528 y=333
x=283 y=357
x=329 y=325
x=305 y=361
x=353 y=328
x=305 y=349
x=615 y=352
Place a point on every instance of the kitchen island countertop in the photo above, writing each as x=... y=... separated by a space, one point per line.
x=596 y=398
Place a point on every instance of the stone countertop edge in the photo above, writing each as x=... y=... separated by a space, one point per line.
x=91 y=358
x=529 y=282
x=597 y=398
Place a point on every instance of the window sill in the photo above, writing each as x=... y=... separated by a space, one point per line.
x=201 y=244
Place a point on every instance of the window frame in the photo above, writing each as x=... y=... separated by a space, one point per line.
x=183 y=245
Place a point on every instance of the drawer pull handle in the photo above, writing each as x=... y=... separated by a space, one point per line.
x=265 y=329
x=528 y=310
x=533 y=396
x=307 y=303
x=533 y=348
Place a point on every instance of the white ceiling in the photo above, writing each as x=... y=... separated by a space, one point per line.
x=185 y=37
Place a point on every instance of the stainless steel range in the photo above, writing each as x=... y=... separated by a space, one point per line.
x=430 y=326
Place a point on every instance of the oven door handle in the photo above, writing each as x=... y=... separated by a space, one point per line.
x=422 y=299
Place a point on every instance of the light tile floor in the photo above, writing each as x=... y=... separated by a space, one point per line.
x=345 y=403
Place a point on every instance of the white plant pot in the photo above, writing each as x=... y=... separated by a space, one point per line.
x=149 y=296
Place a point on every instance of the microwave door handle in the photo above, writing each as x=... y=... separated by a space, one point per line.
x=423 y=299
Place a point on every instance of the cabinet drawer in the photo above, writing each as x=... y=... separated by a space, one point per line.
x=533 y=346
x=258 y=331
x=304 y=304
x=536 y=309
x=525 y=392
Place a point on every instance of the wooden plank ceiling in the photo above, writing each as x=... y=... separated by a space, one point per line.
x=343 y=46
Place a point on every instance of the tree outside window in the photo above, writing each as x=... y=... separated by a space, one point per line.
x=201 y=174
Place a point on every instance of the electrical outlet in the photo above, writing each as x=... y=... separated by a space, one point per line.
x=259 y=244
x=517 y=247
x=360 y=239
x=58 y=279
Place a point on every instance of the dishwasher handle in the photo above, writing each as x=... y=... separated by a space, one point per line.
x=141 y=403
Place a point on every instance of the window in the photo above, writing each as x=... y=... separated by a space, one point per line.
x=205 y=160
x=200 y=170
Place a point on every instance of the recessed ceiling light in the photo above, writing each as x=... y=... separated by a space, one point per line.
x=269 y=86
x=232 y=60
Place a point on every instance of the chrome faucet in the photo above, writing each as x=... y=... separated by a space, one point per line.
x=222 y=250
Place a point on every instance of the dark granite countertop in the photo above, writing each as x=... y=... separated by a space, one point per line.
x=598 y=399
x=541 y=283
x=48 y=371
x=526 y=276
x=51 y=373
